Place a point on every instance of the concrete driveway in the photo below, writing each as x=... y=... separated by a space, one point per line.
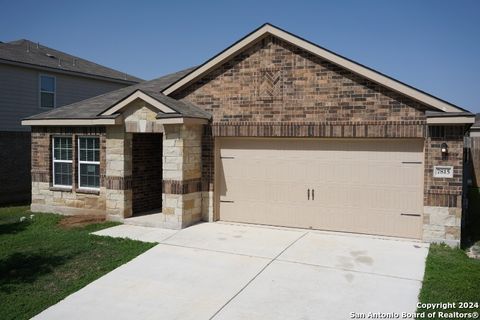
x=233 y=271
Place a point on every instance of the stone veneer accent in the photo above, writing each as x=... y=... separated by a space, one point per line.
x=442 y=224
x=182 y=171
x=118 y=168
x=139 y=116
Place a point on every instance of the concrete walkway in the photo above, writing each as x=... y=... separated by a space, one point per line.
x=234 y=271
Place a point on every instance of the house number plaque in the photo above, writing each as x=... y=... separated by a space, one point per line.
x=443 y=171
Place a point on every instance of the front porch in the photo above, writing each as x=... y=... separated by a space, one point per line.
x=153 y=170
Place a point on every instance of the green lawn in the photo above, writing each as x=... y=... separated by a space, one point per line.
x=42 y=263
x=450 y=276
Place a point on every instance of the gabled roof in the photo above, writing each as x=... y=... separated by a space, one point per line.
x=95 y=108
x=268 y=29
x=26 y=52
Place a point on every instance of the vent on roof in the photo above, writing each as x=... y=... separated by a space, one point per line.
x=50 y=55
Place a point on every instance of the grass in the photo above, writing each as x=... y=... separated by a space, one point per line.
x=41 y=263
x=450 y=276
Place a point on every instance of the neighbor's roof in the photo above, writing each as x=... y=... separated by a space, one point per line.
x=26 y=52
x=476 y=125
x=93 y=108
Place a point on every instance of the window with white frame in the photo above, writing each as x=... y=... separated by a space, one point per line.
x=62 y=161
x=89 y=162
x=47 y=91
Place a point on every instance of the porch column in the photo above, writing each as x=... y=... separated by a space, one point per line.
x=182 y=172
x=118 y=178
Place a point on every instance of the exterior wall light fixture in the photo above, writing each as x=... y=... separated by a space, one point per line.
x=444 y=149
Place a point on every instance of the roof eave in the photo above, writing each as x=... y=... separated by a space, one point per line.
x=182 y=120
x=452 y=120
x=107 y=121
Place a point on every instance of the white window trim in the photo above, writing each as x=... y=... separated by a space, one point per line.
x=86 y=162
x=40 y=90
x=60 y=161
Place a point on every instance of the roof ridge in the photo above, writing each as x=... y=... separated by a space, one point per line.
x=34 y=53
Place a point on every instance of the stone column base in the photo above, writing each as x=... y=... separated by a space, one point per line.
x=442 y=225
x=118 y=204
x=181 y=210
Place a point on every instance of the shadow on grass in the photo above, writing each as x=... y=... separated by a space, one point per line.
x=20 y=268
x=15 y=204
x=14 y=227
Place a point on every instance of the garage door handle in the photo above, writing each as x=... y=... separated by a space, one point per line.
x=308 y=194
x=313 y=194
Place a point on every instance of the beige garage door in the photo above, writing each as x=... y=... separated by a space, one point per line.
x=365 y=186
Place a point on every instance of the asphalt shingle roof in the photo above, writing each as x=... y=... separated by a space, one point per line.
x=476 y=125
x=28 y=52
x=93 y=107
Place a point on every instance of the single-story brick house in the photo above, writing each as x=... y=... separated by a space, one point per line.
x=273 y=130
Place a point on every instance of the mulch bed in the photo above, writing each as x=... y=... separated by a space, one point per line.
x=80 y=221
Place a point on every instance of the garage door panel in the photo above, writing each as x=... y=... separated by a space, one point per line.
x=360 y=185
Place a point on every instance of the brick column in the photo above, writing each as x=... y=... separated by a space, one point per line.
x=118 y=177
x=182 y=197
x=442 y=215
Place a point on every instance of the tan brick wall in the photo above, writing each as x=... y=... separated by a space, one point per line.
x=182 y=171
x=141 y=117
x=118 y=173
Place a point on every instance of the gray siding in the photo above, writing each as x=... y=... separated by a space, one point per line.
x=19 y=93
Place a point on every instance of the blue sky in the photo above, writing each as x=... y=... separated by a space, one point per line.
x=431 y=45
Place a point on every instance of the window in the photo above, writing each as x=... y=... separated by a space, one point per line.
x=62 y=161
x=47 y=91
x=89 y=162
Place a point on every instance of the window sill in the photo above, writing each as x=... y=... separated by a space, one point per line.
x=87 y=191
x=63 y=189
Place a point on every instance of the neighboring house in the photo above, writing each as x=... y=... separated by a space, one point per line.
x=473 y=166
x=475 y=128
x=34 y=79
x=273 y=130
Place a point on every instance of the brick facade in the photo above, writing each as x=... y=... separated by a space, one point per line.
x=47 y=198
x=274 y=89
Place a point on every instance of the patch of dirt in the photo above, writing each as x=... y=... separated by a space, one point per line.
x=80 y=221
